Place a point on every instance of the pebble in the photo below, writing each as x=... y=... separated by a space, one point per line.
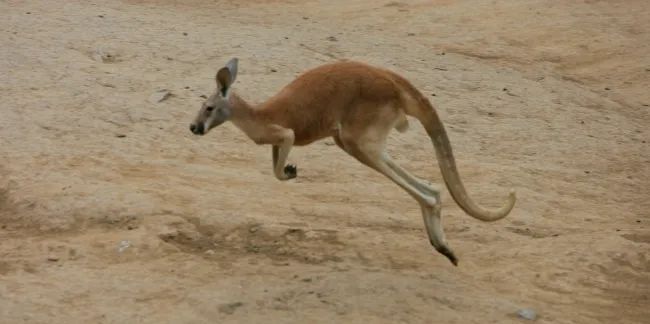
x=230 y=308
x=159 y=96
x=123 y=246
x=527 y=313
x=102 y=56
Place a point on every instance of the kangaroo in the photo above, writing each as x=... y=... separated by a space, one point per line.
x=357 y=105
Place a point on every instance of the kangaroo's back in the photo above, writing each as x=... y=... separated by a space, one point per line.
x=314 y=103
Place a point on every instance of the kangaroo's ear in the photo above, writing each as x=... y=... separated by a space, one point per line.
x=226 y=77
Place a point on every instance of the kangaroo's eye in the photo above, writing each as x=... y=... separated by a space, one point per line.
x=209 y=108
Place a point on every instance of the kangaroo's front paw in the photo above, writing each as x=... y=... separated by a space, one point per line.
x=290 y=171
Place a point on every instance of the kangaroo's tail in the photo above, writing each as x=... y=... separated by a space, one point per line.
x=433 y=125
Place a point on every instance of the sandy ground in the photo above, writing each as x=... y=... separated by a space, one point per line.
x=547 y=97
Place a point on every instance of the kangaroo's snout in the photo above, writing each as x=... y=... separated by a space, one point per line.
x=197 y=129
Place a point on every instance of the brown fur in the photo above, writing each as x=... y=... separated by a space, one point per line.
x=356 y=104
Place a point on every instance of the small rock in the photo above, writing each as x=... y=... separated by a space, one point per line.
x=230 y=308
x=29 y=13
x=490 y=114
x=587 y=171
x=53 y=259
x=527 y=313
x=274 y=70
x=306 y=280
x=285 y=37
x=123 y=246
x=184 y=34
x=410 y=34
x=305 y=18
x=103 y=56
x=638 y=221
x=100 y=16
x=120 y=136
x=607 y=89
x=210 y=252
x=505 y=89
x=159 y=96
x=187 y=87
x=253 y=229
x=433 y=94
x=332 y=39
x=204 y=96
x=582 y=122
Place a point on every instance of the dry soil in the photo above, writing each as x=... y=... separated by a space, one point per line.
x=111 y=211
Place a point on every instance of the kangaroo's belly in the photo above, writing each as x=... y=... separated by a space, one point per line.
x=312 y=133
x=309 y=130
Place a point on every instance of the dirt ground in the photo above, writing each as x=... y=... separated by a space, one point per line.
x=111 y=211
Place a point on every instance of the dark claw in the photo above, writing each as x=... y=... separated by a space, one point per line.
x=291 y=170
x=449 y=254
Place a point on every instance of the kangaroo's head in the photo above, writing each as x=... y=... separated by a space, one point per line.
x=216 y=109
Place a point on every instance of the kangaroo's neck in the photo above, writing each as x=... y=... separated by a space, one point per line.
x=247 y=117
x=241 y=110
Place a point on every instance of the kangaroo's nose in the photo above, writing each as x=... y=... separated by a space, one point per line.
x=197 y=129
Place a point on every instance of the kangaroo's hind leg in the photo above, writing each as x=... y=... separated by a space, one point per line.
x=366 y=142
x=420 y=184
